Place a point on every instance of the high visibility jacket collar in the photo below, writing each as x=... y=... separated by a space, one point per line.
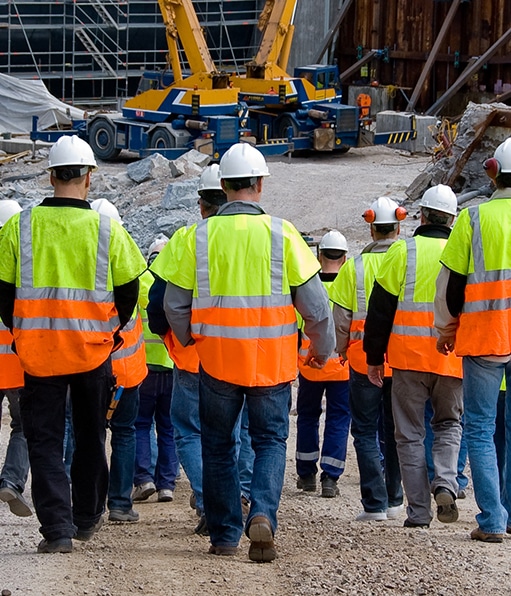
x=501 y=193
x=65 y=202
x=378 y=245
x=239 y=207
x=433 y=231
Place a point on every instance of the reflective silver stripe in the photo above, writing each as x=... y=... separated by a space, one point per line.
x=360 y=283
x=102 y=258
x=411 y=271
x=331 y=461
x=71 y=294
x=26 y=264
x=130 y=325
x=242 y=301
x=3 y=327
x=313 y=456
x=46 y=323
x=414 y=331
x=277 y=255
x=126 y=352
x=202 y=259
x=6 y=349
x=356 y=335
x=154 y=341
x=243 y=332
x=487 y=305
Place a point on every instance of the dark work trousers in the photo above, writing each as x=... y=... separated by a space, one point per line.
x=43 y=411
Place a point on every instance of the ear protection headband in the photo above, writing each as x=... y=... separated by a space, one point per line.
x=492 y=167
x=370 y=215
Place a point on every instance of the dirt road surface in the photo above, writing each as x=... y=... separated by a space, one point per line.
x=322 y=549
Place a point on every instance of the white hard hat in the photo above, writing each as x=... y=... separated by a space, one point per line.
x=71 y=151
x=243 y=160
x=503 y=156
x=105 y=207
x=8 y=208
x=210 y=178
x=440 y=198
x=384 y=211
x=333 y=240
x=157 y=244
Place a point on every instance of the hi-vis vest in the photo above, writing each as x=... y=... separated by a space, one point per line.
x=155 y=350
x=412 y=342
x=64 y=313
x=333 y=369
x=241 y=268
x=351 y=290
x=480 y=248
x=129 y=361
x=11 y=373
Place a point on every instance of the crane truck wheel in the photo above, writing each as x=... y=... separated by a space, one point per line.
x=102 y=139
x=161 y=139
x=282 y=125
x=342 y=148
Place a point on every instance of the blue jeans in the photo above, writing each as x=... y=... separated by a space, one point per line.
x=461 y=477
x=184 y=411
x=481 y=386
x=15 y=469
x=380 y=487
x=123 y=444
x=220 y=404
x=155 y=403
x=336 y=431
x=500 y=439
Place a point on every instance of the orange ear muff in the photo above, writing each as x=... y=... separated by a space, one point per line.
x=492 y=167
x=369 y=215
x=401 y=213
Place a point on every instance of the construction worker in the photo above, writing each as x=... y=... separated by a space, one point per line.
x=13 y=476
x=472 y=317
x=233 y=292
x=331 y=381
x=372 y=423
x=154 y=410
x=400 y=322
x=185 y=394
x=68 y=282
x=129 y=369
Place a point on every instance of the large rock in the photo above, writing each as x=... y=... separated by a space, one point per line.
x=153 y=167
x=181 y=194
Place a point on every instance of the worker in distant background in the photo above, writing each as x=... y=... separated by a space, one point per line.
x=154 y=410
x=331 y=381
x=400 y=323
x=68 y=283
x=233 y=292
x=372 y=423
x=473 y=318
x=129 y=369
x=13 y=476
x=185 y=394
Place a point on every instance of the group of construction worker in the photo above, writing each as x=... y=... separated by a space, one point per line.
x=201 y=344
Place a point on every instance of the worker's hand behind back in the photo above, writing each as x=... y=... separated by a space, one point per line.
x=375 y=374
x=445 y=344
x=314 y=361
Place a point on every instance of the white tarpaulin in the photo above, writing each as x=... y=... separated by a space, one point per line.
x=20 y=100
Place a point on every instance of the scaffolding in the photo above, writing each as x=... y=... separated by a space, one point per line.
x=93 y=51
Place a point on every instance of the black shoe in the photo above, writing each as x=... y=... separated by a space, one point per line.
x=307 y=483
x=202 y=527
x=15 y=500
x=60 y=545
x=85 y=534
x=447 y=511
x=410 y=524
x=329 y=488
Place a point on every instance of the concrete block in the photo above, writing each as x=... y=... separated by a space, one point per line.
x=393 y=121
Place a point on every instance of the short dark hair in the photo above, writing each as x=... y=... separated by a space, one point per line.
x=436 y=217
x=240 y=183
x=332 y=254
x=503 y=180
x=213 y=196
x=386 y=228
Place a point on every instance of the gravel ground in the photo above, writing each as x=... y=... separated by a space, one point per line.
x=322 y=550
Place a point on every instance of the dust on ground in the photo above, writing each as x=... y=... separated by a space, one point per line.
x=322 y=550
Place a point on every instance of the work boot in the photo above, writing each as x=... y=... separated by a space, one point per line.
x=85 y=534
x=262 y=547
x=60 y=545
x=223 y=551
x=15 y=500
x=165 y=495
x=447 y=511
x=118 y=515
x=478 y=534
x=143 y=491
x=329 y=488
x=307 y=483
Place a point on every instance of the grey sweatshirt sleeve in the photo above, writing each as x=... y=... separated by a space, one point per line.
x=311 y=301
x=342 y=321
x=445 y=323
x=177 y=304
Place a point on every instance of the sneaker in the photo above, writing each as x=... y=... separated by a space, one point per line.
x=143 y=491
x=15 y=500
x=85 y=534
x=307 y=483
x=447 y=511
x=394 y=512
x=371 y=516
x=411 y=524
x=262 y=547
x=201 y=529
x=462 y=494
x=478 y=534
x=165 y=495
x=118 y=515
x=193 y=501
x=329 y=488
x=60 y=545
x=223 y=551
